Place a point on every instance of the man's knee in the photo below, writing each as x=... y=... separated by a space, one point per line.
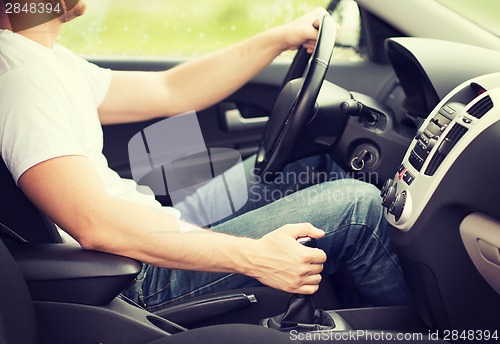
x=352 y=191
x=361 y=198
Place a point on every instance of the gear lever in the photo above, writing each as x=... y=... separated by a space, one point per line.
x=301 y=315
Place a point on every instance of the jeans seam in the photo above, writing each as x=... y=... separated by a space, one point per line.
x=156 y=292
x=387 y=252
x=373 y=234
x=180 y=297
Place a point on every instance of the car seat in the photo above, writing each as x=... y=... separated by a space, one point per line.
x=18 y=319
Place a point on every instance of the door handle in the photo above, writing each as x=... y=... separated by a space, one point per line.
x=236 y=122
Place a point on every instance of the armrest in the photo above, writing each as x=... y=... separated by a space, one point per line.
x=67 y=273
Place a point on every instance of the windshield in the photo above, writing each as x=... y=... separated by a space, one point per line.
x=484 y=13
x=174 y=27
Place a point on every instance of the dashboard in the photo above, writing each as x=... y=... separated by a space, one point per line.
x=442 y=204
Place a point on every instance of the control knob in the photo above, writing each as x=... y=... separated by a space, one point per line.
x=390 y=196
x=386 y=187
x=398 y=205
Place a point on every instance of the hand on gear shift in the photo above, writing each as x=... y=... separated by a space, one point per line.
x=301 y=314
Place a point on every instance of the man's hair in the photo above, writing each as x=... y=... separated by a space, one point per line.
x=4 y=19
x=25 y=20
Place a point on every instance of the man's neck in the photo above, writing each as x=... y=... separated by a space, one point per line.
x=45 y=34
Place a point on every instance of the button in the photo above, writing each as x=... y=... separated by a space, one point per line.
x=422 y=145
x=408 y=178
x=467 y=120
x=416 y=157
x=402 y=173
x=416 y=161
x=401 y=169
x=445 y=147
x=449 y=110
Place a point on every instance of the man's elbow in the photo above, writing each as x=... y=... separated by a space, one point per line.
x=88 y=243
x=88 y=232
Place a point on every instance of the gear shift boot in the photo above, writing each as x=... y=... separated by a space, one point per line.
x=301 y=316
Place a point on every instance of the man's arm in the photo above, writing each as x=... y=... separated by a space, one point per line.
x=202 y=82
x=69 y=191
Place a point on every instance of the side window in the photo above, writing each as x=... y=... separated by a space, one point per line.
x=181 y=28
x=347 y=15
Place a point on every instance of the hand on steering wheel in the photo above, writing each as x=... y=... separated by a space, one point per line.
x=295 y=105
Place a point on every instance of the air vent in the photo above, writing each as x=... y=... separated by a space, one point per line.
x=455 y=134
x=481 y=107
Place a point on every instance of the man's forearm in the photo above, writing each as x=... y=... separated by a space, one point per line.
x=154 y=237
x=148 y=235
x=200 y=83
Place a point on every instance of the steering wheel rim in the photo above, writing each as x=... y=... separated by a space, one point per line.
x=282 y=130
x=298 y=66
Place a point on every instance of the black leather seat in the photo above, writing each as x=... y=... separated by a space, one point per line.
x=19 y=217
x=18 y=320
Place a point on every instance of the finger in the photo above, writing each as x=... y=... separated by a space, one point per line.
x=320 y=13
x=316 y=269
x=305 y=230
x=316 y=23
x=312 y=269
x=313 y=279
x=320 y=257
x=306 y=289
x=312 y=256
x=310 y=44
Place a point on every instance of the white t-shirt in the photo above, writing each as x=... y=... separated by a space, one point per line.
x=48 y=109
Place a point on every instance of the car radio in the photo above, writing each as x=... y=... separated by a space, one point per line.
x=458 y=120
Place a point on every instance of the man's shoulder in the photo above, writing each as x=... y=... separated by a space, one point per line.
x=26 y=87
x=21 y=78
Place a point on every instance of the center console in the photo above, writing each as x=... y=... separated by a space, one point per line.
x=458 y=120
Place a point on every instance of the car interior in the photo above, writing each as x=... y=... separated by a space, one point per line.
x=419 y=117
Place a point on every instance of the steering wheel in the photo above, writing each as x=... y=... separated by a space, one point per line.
x=296 y=103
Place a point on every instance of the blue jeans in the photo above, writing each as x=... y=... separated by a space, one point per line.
x=349 y=211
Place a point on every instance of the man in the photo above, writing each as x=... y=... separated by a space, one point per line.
x=52 y=107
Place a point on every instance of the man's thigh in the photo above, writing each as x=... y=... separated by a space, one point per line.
x=206 y=203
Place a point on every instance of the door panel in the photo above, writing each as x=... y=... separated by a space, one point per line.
x=254 y=100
